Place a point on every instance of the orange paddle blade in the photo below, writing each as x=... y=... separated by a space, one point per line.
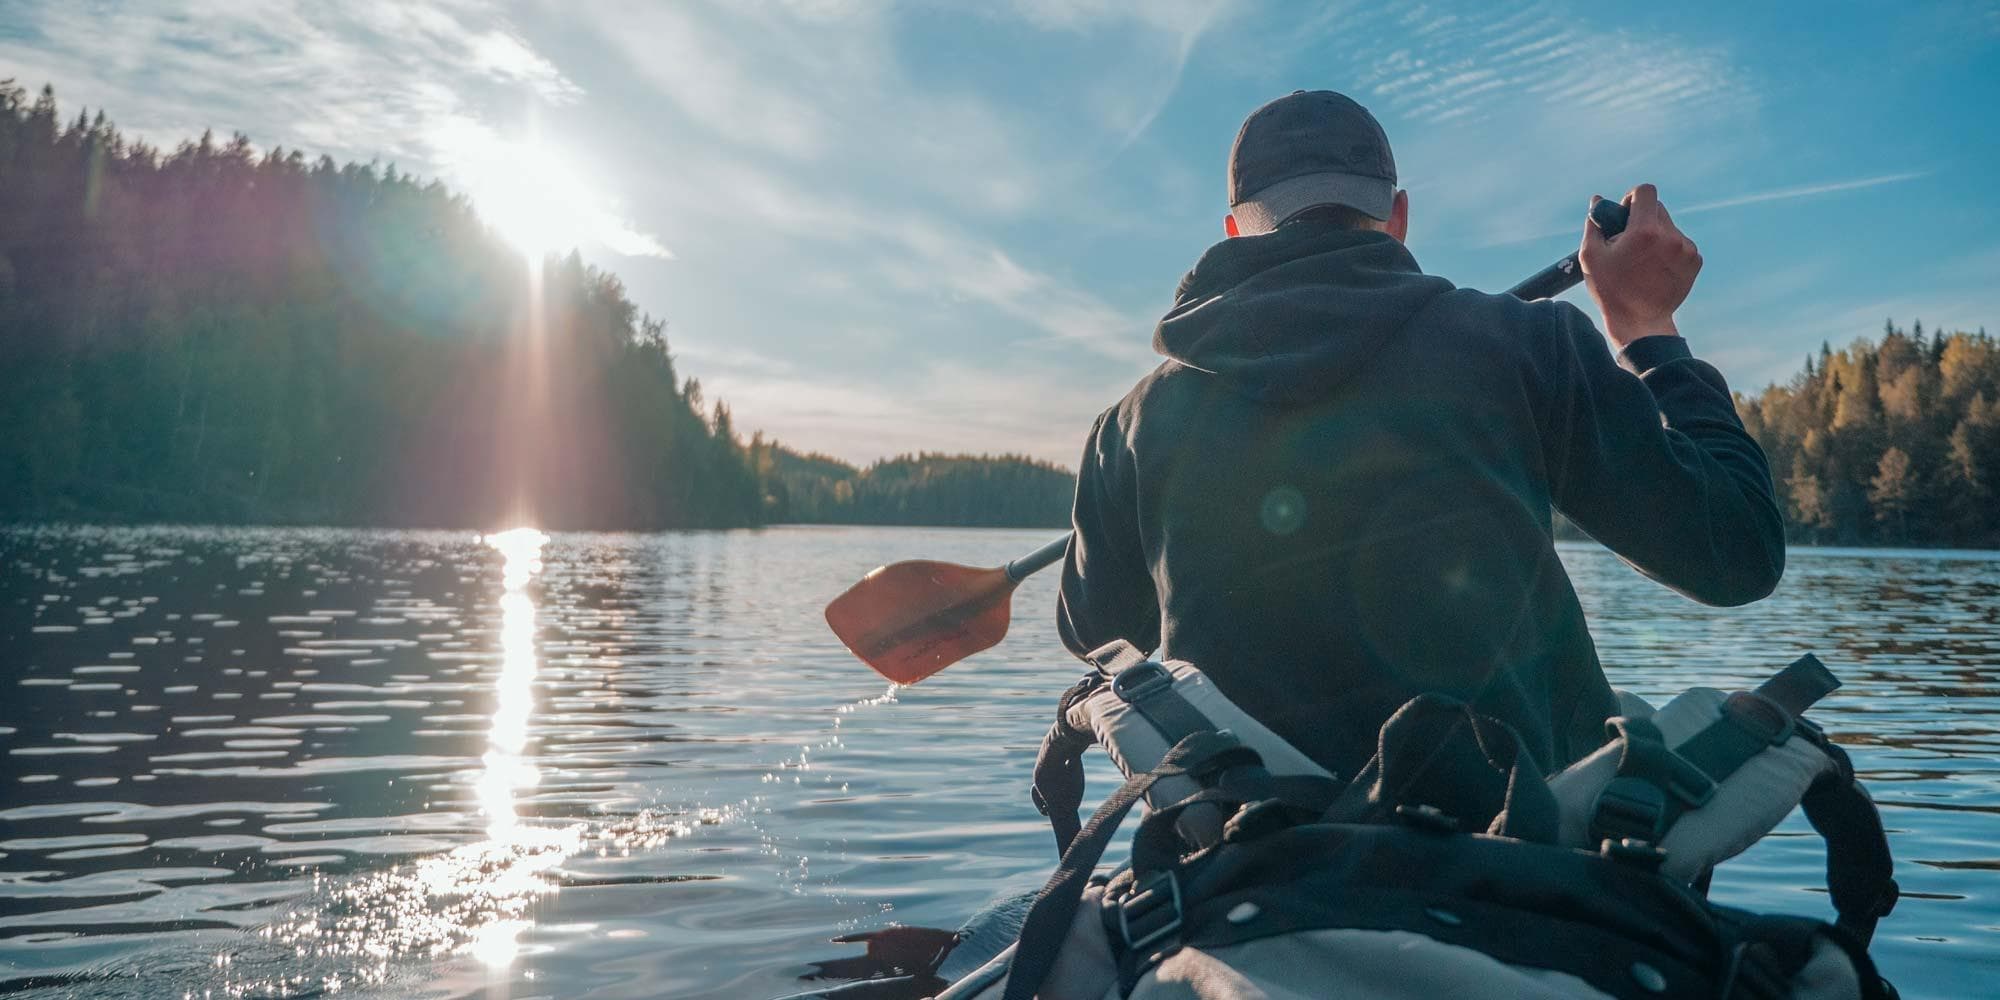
x=910 y=620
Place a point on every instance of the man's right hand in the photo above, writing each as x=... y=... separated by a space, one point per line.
x=1641 y=277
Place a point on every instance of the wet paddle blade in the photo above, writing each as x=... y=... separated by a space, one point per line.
x=912 y=619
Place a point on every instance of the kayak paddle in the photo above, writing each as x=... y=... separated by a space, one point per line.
x=912 y=619
x=1610 y=218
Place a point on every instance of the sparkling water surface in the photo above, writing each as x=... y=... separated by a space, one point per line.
x=306 y=762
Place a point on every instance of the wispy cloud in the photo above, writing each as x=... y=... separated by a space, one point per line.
x=1502 y=114
x=1440 y=67
x=403 y=82
x=1757 y=197
x=1804 y=191
x=846 y=276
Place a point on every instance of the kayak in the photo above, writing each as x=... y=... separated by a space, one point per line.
x=1448 y=866
x=911 y=963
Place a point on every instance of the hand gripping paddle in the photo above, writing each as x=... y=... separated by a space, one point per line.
x=1609 y=217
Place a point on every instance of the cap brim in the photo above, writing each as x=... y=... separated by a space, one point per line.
x=1263 y=211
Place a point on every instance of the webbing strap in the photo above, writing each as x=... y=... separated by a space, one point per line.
x=1860 y=871
x=1256 y=801
x=1058 y=781
x=1651 y=791
x=1768 y=954
x=1769 y=951
x=1149 y=688
x=1145 y=685
x=1047 y=925
x=1114 y=656
x=1800 y=685
x=1655 y=784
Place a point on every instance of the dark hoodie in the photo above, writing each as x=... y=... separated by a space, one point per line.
x=1336 y=493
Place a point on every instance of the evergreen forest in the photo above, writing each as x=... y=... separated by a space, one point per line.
x=976 y=491
x=218 y=334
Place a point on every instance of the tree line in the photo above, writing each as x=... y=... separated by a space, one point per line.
x=924 y=489
x=1888 y=442
x=218 y=334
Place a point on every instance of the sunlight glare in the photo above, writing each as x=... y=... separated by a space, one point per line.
x=532 y=196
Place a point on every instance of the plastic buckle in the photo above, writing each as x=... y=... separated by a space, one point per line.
x=1147 y=901
x=1255 y=819
x=1140 y=680
x=1759 y=715
x=1634 y=852
x=1629 y=808
x=1427 y=817
x=1687 y=782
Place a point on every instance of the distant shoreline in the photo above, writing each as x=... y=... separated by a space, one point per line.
x=1561 y=542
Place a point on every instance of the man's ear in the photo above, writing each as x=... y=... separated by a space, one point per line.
x=1229 y=225
x=1399 y=217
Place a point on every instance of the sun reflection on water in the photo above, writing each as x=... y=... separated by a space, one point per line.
x=478 y=900
x=506 y=768
x=498 y=942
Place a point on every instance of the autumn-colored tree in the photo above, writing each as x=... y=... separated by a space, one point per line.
x=1892 y=441
x=1889 y=491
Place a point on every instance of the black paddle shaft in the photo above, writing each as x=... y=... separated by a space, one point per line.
x=1563 y=275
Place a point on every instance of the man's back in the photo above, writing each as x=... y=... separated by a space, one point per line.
x=1337 y=493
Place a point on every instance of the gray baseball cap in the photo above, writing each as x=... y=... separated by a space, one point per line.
x=1307 y=149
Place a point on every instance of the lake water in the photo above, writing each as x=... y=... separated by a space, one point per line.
x=292 y=762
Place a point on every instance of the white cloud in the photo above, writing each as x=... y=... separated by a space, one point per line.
x=1804 y=191
x=405 y=82
x=509 y=58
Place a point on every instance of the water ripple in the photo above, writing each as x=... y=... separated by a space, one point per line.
x=270 y=762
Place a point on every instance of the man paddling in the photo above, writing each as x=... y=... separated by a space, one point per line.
x=1335 y=493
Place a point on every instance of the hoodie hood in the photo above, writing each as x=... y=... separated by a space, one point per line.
x=1286 y=316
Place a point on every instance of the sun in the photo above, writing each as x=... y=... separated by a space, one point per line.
x=532 y=196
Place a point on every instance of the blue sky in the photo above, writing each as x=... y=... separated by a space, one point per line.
x=877 y=227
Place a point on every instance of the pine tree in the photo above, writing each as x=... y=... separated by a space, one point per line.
x=1889 y=492
x=218 y=335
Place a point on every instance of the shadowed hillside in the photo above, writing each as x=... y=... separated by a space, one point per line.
x=1010 y=491
x=216 y=334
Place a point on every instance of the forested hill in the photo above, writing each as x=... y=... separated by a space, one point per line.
x=215 y=334
x=1006 y=491
x=219 y=334
x=1890 y=442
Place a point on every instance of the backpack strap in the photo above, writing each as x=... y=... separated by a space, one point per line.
x=1657 y=784
x=1148 y=686
x=1058 y=782
x=1144 y=684
x=1860 y=872
x=1049 y=919
x=1768 y=952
